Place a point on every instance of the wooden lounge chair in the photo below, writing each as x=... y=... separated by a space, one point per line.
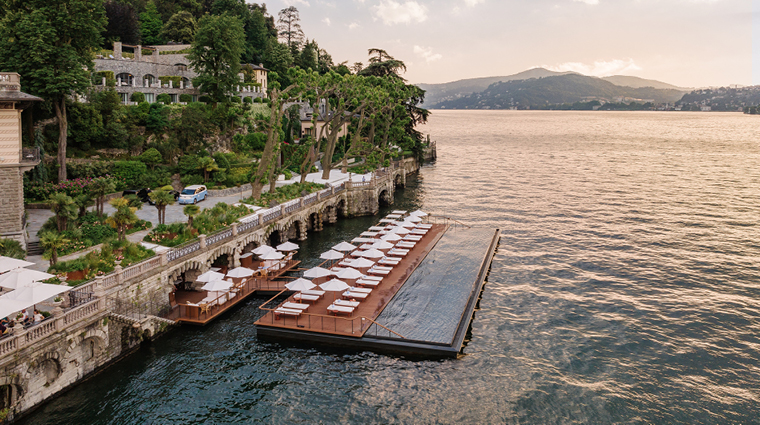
x=306 y=297
x=339 y=309
x=295 y=306
x=399 y=252
x=355 y=289
x=346 y=303
x=287 y=312
x=380 y=272
x=367 y=277
x=372 y=283
x=391 y=261
x=316 y=292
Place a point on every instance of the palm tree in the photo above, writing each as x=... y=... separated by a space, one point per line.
x=191 y=211
x=208 y=165
x=162 y=198
x=82 y=202
x=52 y=242
x=99 y=188
x=123 y=217
x=64 y=208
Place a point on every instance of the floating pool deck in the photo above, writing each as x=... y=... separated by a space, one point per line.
x=425 y=309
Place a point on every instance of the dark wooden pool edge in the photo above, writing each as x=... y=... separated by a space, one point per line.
x=395 y=346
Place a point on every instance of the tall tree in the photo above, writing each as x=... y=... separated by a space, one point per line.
x=122 y=24
x=51 y=242
x=289 y=27
x=64 y=208
x=259 y=29
x=215 y=55
x=122 y=217
x=180 y=28
x=162 y=198
x=50 y=44
x=151 y=25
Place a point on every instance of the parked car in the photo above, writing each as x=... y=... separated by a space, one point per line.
x=193 y=194
x=142 y=194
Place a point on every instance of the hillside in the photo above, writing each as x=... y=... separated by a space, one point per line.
x=636 y=83
x=555 y=90
x=436 y=93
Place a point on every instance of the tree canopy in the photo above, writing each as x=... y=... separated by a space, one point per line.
x=215 y=55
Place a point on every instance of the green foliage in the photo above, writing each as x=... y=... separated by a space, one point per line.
x=285 y=193
x=251 y=142
x=206 y=222
x=97 y=77
x=131 y=171
x=12 y=248
x=175 y=79
x=151 y=157
x=164 y=98
x=100 y=262
x=137 y=97
x=235 y=99
x=151 y=25
x=247 y=100
x=181 y=28
x=221 y=160
x=216 y=54
x=186 y=98
x=191 y=179
x=157 y=119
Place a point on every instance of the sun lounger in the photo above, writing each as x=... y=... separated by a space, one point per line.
x=355 y=295
x=390 y=260
x=398 y=252
x=316 y=292
x=377 y=228
x=393 y=216
x=405 y=245
x=398 y=212
x=364 y=290
x=305 y=297
x=375 y=278
x=346 y=303
x=336 y=309
x=418 y=232
x=287 y=312
x=414 y=238
x=380 y=272
x=424 y=226
x=383 y=268
x=364 y=282
x=368 y=234
x=387 y=220
x=295 y=306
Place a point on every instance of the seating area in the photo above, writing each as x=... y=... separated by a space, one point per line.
x=358 y=275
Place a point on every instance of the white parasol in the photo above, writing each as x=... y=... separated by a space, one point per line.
x=331 y=255
x=392 y=237
x=349 y=273
x=36 y=292
x=334 y=285
x=400 y=230
x=414 y=219
x=418 y=213
x=407 y=224
x=19 y=277
x=287 y=246
x=8 y=263
x=373 y=253
x=217 y=285
x=240 y=272
x=263 y=249
x=317 y=272
x=8 y=306
x=209 y=276
x=300 y=284
x=344 y=246
x=362 y=263
x=272 y=255
x=382 y=245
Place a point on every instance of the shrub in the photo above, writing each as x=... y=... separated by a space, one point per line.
x=235 y=99
x=191 y=179
x=288 y=174
x=151 y=157
x=12 y=248
x=205 y=99
x=175 y=79
x=164 y=98
x=137 y=97
x=184 y=97
x=247 y=100
x=133 y=172
x=221 y=160
x=257 y=100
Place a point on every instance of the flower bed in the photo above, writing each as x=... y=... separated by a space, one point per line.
x=100 y=262
x=36 y=191
x=208 y=221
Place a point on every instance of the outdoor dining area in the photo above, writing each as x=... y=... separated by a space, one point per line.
x=356 y=280
x=218 y=289
x=26 y=301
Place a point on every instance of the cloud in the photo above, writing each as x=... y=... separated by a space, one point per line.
x=589 y=2
x=353 y=26
x=598 y=68
x=393 y=12
x=327 y=21
x=295 y=2
x=473 y=3
x=427 y=53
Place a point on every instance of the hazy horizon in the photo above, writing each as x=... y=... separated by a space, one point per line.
x=687 y=43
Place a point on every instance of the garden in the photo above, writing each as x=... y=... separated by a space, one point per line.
x=199 y=222
x=100 y=262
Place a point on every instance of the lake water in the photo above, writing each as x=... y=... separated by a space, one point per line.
x=625 y=290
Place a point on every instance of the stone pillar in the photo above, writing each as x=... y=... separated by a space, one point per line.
x=138 y=53
x=236 y=258
x=164 y=258
x=282 y=210
x=181 y=84
x=203 y=241
x=234 y=229
x=117 y=270
x=261 y=219
x=117 y=49
x=104 y=81
x=302 y=230
x=171 y=84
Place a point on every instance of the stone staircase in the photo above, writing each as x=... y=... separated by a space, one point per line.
x=34 y=248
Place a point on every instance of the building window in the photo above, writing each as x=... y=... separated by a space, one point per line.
x=150 y=97
x=181 y=66
x=173 y=97
x=149 y=80
x=124 y=79
x=124 y=98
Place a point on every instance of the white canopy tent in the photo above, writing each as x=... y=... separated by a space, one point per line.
x=20 y=276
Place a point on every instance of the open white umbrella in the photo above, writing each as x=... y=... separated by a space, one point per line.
x=349 y=273
x=263 y=249
x=344 y=246
x=414 y=219
x=331 y=255
x=366 y=246
x=334 y=285
x=300 y=284
x=317 y=272
x=382 y=245
x=217 y=285
x=18 y=277
x=240 y=272
x=418 y=213
x=209 y=276
x=272 y=255
x=287 y=246
x=392 y=237
x=8 y=263
x=9 y=306
x=373 y=253
x=400 y=230
x=362 y=263
x=407 y=224
x=35 y=292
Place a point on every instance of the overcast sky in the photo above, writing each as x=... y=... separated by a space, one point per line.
x=690 y=43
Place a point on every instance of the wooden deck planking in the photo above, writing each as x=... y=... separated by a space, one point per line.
x=317 y=319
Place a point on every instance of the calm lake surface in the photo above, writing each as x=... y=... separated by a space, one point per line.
x=625 y=290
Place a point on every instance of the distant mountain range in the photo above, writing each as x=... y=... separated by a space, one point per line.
x=538 y=87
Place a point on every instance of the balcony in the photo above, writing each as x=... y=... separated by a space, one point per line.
x=30 y=156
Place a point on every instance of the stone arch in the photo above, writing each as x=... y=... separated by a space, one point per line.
x=88 y=345
x=125 y=79
x=296 y=229
x=188 y=271
x=384 y=197
x=228 y=250
x=149 y=80
x=274 y=237
x=314 y=221
x=11 y=390
x=399 y=180
x=43 y=370
x=341 y=208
